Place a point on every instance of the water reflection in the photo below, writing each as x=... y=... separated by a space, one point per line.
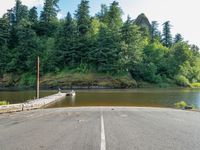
x=72 y=100
x=133 y=97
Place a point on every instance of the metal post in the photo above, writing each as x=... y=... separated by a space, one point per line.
x=38 y=78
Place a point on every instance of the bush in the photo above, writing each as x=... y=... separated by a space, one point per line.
x=197 y=85
x=181 y=104
x=27 y=80
x=182 y=81
x=4 y=103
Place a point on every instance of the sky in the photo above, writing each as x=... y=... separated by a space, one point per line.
x=183 y=14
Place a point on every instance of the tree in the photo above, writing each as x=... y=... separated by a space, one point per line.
x=178 y=38
x=106 y=54
x=180 y=54
x=155 y=33
x=167 y=37
x=84 y=27
x=50 y=11
x=83 y=17
x=4 y=37
x=66 y=53
x=33 y=15
x=20 y=11
x=27 y=49
x=103 y=14
x=114 y=19
x=132 y=45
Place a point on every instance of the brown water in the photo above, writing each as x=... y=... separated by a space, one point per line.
x=134 y=97
x=14 y=97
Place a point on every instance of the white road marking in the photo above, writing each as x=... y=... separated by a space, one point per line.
x=103 y=138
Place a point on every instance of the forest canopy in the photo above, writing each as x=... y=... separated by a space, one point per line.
x=102 y=43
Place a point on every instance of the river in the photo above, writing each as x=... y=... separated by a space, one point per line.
x=131 y=97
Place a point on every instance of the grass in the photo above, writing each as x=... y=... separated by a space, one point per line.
x=4 y=103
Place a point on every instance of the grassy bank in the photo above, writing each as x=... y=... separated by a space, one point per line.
x=66 y=79
x=75 y=79
x=89 y=80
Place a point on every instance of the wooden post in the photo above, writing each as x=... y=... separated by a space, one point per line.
x=38 y=78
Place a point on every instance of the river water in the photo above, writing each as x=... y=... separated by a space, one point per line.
x=133 y=97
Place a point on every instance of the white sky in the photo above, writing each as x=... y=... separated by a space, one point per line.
x=184 y=15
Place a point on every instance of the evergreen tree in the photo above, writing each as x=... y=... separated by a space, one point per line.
x=167 y=37
x=66 y=44
x=103 y=14
x=27 y=49
x=33 y=15
x=50 y=11
x=106 y=55
x=178 y=38
x=132 y=45
x=155 y=33
x=48 y=19
x=84 y=27
x=114 y=19
x=21 y=11
x=83 y=18
x=4 y=37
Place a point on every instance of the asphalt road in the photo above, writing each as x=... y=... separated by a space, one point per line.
x=100 y=129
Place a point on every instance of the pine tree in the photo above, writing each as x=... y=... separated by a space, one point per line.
x=33 y=15
x=21 y=11
x=155 y=33
x=84 y=27
x=103 y=14
x=178 y=38
x=50 y=11
x=167 y=37
x=66 y=44
x=27 y=49
x=114 y=19
x=83 y=18
x=132 y=45
x=106 y=54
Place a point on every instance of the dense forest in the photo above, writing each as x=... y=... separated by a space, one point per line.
x=102 y=44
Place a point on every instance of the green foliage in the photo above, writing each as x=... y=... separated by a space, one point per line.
x=196 y=85
x=155 y=33
x=114 y=16
x=102 y=43
x=167 y=37
x=83 y=18
x=181 y=104
x=27 y=80
x=33 y=15
x=4 y=103
x=178 y=38
x=182 y=81
x=50 y=10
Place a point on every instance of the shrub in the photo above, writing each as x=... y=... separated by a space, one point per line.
x=4 y=103
x=181 y=104
x=197 y=84
x=182 y=81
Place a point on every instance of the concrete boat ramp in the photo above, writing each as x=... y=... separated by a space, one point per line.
x=33 y=104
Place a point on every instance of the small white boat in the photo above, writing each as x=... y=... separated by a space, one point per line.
x=71 y=93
